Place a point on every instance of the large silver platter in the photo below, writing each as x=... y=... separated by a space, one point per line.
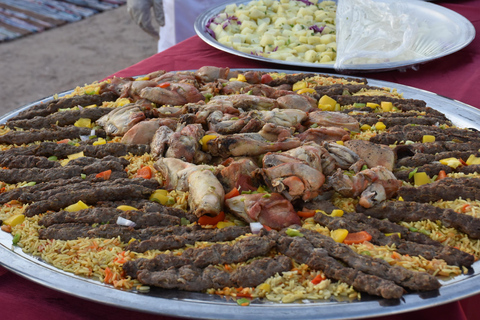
x=462 y=32
x=203 y=306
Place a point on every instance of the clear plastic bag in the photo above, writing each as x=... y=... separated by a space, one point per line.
x=384 y=32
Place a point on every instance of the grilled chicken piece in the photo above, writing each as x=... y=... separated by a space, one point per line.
x=374 y=185
x=295 y=180
x=284 y=117
x=332 y=119
x=297 y=101
x=209 y=74
x=269 y=139
x=132 y=90
x=160 y=140
x=344 y=157
x=239 y=174
x=176 y=94
x=183 y=76
x=206 y=195
x=175 y=172
x=273 y=211
x=184 y=144
x=321 y=134
x=247 y=102
x=120 y=120
x=373 y=154
x=144 y=132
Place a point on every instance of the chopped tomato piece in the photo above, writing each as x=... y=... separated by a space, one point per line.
x=462 y=162
x=442 y=174
x=63 y=141
x=145 y=172
x=164 y=85
x=306 y=214
x=233 y=193
x=357 y=237
x=266 y=78
x=207 y=220
x=319 y=278
x=244 y=295
x=104 y=174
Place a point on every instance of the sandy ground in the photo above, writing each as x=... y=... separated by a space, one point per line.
x=60 y=59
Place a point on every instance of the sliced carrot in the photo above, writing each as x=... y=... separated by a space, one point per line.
x=164 y=85
x=104 y=174
x=357 y=237
x=441 y=175
x=207 y=220
x=462 y=162
x=145 y=172
x=306 y=214
x=108 y=275
x=319 y=278
x=267 y=227
x=465 y=207
x=63 y=141
x=244 y=295
x=395 y=255
x=233 y=193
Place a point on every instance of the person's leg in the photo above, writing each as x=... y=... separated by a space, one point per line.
x=167 y=32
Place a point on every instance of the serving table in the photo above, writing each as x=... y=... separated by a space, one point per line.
x=456 y=76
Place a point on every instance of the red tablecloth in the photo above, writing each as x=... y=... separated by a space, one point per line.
x=456 y=76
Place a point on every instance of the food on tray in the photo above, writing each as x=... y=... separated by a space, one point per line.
x=290 y=30
x=249 y=184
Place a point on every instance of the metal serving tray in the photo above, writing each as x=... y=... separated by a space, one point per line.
x=203 y=306
x=462 y=33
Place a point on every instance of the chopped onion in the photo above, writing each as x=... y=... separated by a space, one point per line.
x=92 y=132
x=256 y=227
x=84 y=138
x=125 y=222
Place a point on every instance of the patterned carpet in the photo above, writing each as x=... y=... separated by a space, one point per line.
x=20 y=18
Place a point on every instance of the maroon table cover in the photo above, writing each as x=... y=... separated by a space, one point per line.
x=456 y=76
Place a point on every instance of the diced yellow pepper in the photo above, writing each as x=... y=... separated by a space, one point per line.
x=340 y=142
x=160 y=196
x=386 y=106
x=372 y=105
x=428 y=138
x=224 y=224
x=126 y=208
x=265 y=287
x=132 y=240
x=83 y=123
x=365 y=127
x=95 y=90
x=473 y=160
x=380 y=126
x=326 y=107
x=142 y=78
x=337 y=213
x=326 y=100
x=451 y=162
x=261 y=189
x=14 y=220
x=90 y=106
x=122 y=101
x=306 y=90
x=299 y=85
x=391 y=234
x=400 y=198
x=339 y=235
x=80 y=205
x=76 y=155
x=205 y=139
x=99 y=141
x=241 y=77
x=421 y=178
